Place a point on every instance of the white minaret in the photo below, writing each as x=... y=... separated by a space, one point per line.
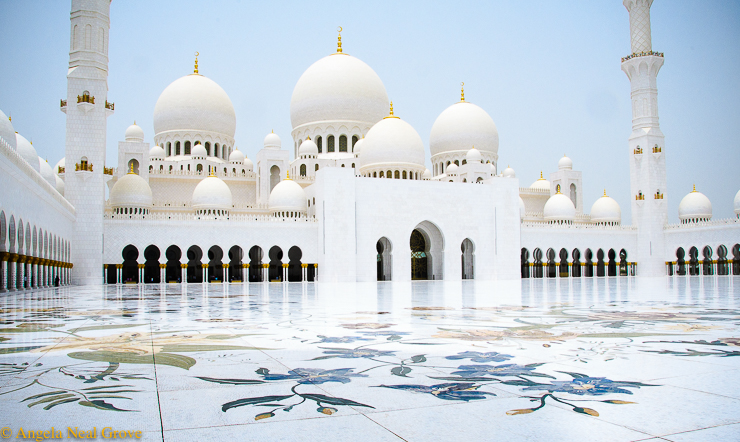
x=87 y=109
x=646 y=144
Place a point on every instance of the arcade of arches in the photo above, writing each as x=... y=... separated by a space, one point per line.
x=727 y=262
x=554 y=264
x=211 y=266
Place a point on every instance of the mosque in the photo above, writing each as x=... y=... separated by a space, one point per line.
x=347 y=198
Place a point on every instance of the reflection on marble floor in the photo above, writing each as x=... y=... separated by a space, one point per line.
x=596 y=359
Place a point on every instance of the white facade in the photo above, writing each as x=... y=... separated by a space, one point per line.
x=356 y=203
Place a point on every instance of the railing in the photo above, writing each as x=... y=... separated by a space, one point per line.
x=642 y=54
x=62 y=103
x=529 y=190
x=711 y=223
x=196 y=173
x=577 y=226
x=83 y=166
x=657 y=149
x=108 y=170
x=165 y=205
x=638 y=151
x=179 y=216
x=110 y=106
x=658 y=196
x=639 y=197
x=85 y=98
x=60 y=169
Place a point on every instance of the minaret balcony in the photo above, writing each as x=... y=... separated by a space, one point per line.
x=85 y=102
x=642 y=54
x=109 y=108
x=83 y=169
x=107 y=170
x=63 y=106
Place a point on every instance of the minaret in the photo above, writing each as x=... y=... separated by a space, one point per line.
x=87 y=108
x=646 y=144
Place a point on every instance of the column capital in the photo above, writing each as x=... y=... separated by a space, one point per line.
x=315 y=266
x=163 y=266
x=225 y=266
x=105 y=266
x=265 y=266
x=119 y=266
x=141 y=266
x=204 y=266
x=245 y=266
x=13 y=257
x=183 y=266
x=285 y=266
x=4 y=256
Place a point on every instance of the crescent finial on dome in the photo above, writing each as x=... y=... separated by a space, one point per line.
x=287 y=174
x=604 y=192
x=391 y=114
x=195 y=70
x=694 y=188
x=339 y=40
x=462 y=91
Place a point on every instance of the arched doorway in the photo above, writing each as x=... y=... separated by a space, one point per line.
x=589 y=261
x=563 y=267
x=151 y=265
x=133 y=164
x=525 y=263
x=215 y=264
x=275 y=272
x=681 y=261
x=736 y=259
x=427 y=251
x=600 y=267
x=130 y=269
x=576 y=267
x=537 y=267
x=235 y=264
x=612 y=262
x=623 y=270
x=384 y=259
x=722 y=268
x=173 y=271
x=255 y=264
x=195 y=268
x=551 y=267
x=693 y=261
x=295 y=271
x=418 y=256
x=274 y=177
x=707 y=268
x=468 y=259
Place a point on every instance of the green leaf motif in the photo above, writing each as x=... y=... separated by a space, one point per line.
x=418 y=359
x=231 y=381
x=262 y=371
x=60 y=402
x=332 y=400
x=400 y=371
x=51 y=399
x=253 y=400
x=174 y=360
x=36 y=396
x=100 y=405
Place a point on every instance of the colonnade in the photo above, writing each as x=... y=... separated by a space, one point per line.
x=22 y=272
x=184 y=276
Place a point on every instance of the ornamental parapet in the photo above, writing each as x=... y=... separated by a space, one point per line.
x=83 y=166
x=248 y=176
x=699 y=224
x=107 y=170
x=86 y=98
x=110 y=106
x=184 y=216
x=541 y=224
x=642 y=54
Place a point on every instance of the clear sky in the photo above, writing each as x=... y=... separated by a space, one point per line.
x=548 y=73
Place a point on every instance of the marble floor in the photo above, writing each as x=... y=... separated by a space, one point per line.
x=618 y=359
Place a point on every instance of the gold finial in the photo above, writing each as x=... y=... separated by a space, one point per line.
x=195 y=71
x=131 y=168
x=272 y=131
x=10 y=118
x=558 y=188
x=213 y=171
x=287 y=175
x=694 y=187
x=462 y=91
x=308 y=138
x=541 y=177
x=391 y=114
x=604 y=192
x=339 y=40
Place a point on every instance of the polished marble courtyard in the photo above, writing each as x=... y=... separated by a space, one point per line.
x=555 y=359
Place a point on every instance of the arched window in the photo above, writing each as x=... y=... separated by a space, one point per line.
x=457 y=163
x=208 y=148
x=318 y=143
x=573 y=195
x=353 y=165
x=330 y=144
x=381 y=174
x=343 y=143
x=177 y=148
x=404 y=174
x=355 y=139
x=316 y=168
x=187 y=148
x=169 y=149
x=397 y=175
x=303 y=170
x=389 y=174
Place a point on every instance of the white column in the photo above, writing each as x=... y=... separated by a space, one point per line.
x=105 y=273
x=245 y=270
x=206 y=279
x=184 y=275
x=119 y=274
x=285 y=272
x=265 y=272
x=22 y=275
x=4 y=275
x=163 y=273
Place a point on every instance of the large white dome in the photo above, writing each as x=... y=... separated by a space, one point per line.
x=462 y=126
x=559 y=208
x=131 y=190
x=392 y=141
x=272 y=141
x=565 y=163
x=737 y=203
x=27 y=152
x=309 y=148
x=194 y=103
x=134 y=133
x=46 y=172
x=7 y=133
x=695 y=207
x=606 y=210
x=338 y=87
x=287 y=196
x=212 y=194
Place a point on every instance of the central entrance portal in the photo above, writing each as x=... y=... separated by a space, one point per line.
x=419 y=264
x=427 y=251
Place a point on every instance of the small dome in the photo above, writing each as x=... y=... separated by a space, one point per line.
x=248 y=164
x=606 y=210
x=522 y=208
x=156 y=153
x=60 y=163
x=131 y=190
x=194 y=103
x=541 y=184
x=559 y=208
x=199 y=151
x=7 y=133
x=463 y=125
x=46 y=172
x=134 y=133
x=338 y=87
x=695 y=207
x=287 y=196
x=473 y=156
x=272 y=141
x=509 y=173
x=237 y=157
x=392 y=141
x=358 y=146
x=565 y=163
x=452 y=169
x=737 y=203
x=427 y=175
x=59 y=185
x=212 y=193
x=308 y=148
x=27 y=152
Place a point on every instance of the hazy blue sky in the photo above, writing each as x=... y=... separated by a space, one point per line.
x=548 y=73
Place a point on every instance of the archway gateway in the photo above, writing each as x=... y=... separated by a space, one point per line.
x=427 y=251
